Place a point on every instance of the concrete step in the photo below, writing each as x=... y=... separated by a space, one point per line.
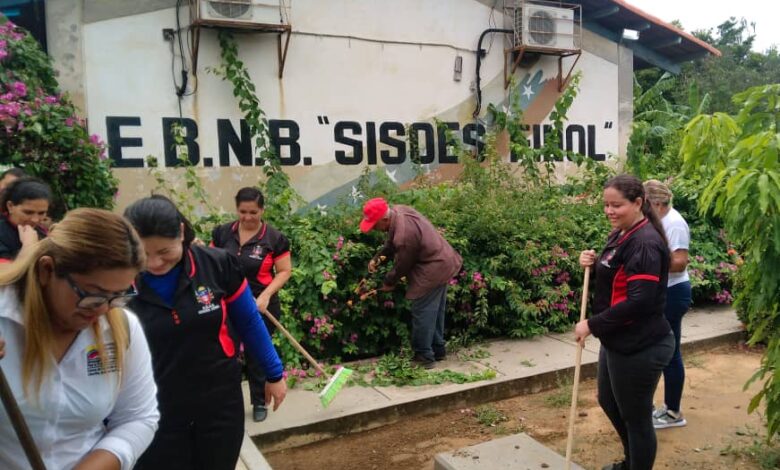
x=517 y=452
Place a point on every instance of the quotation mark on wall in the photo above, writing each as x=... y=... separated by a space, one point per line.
x=607 y=124
x=323 y=119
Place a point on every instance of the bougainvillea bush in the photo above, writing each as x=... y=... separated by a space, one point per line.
x=40 y=131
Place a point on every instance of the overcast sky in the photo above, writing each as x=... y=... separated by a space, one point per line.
x=704 y=14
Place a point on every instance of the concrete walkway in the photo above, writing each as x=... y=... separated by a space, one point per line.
x=522 y=366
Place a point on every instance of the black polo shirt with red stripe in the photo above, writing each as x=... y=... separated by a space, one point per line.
x=193 y=356
x=257 y=256
x=630 y=290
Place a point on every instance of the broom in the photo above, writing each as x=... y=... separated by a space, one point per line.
x=335 y=382
x=19 y=425
x=577 y=364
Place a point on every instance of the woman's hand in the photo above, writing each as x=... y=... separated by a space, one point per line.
x=27 y=235
x=587 y=258
x=372 y=265
x=581 y=331
x=275 y=392
x=262 y=303
x=99 y=459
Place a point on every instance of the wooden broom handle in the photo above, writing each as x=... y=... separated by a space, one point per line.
x=295 y=343
x=20 y=425
x=577 y=364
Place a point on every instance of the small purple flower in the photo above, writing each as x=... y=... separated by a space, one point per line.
x=69 y=121
x=19 y=88
x=50 y=99
x=453 y=281
x=389 y=304
x=64 y=166
x=95 y=139
x=340 y=243
x=326 y=275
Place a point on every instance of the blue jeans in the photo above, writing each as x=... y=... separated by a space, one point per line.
x=678 y=300
x=428 y=324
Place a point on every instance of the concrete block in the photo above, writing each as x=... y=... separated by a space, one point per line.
x=517 y=452
x=251 y=458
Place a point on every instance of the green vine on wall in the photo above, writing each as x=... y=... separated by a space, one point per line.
x=277 y=185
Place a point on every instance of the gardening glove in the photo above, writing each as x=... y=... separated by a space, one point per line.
x=275 y=392
x=372 y=265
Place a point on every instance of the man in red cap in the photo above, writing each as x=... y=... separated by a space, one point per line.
x=426 y=259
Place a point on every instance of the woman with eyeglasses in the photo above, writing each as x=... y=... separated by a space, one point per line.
x=185 y=298
x=77 y=363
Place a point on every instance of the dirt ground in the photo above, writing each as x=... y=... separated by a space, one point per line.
x=714 y=404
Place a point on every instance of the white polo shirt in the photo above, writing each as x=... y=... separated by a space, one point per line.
x=77 y=396
x=679 y=238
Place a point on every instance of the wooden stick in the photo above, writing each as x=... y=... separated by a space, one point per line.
x=577 y=363
x=20 y=425
x=296 y=344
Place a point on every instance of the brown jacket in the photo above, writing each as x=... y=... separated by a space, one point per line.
x=420 y=253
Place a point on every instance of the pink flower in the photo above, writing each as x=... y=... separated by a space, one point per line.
x=453 y=281
x=326 y=275
x=313 y=330
x=389 y=304
x=3 y=53
x=50 y=99
x=95 y=139
x=353 y=337
x=19 y=88
x=340 y=243
x=69 y=121
x=64 y=166
x=335 y=257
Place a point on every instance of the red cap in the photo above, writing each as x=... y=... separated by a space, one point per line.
x=373 y=211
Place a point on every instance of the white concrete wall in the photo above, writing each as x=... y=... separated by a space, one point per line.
x=127 y=72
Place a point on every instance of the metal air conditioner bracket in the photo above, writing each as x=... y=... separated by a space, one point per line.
x=237 y=26
x=513 y=56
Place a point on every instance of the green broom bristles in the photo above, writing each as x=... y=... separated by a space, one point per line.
x=334 y=385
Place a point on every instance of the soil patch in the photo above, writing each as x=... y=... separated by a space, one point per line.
x=714 y=403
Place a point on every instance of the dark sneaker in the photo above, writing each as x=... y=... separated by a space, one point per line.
x=440 y=355
x=669 y=419
x=616 y=466
x=423 y=362
x=259 y=413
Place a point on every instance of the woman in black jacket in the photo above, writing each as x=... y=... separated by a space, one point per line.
x=628 y=318
x=24 y=202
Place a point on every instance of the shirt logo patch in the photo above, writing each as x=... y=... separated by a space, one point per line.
x=257 y=252
x=608 y=257
x=205 y=298
x=96 y=366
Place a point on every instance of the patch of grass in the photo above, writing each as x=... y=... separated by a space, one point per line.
x=488 y=415
x=561 y=397
x=764 y=454
x=696 y=361
x=396 y=369
x=473 y=354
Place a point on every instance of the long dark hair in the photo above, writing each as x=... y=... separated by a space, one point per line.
x=631 y=188
x=23 y=189
x=157 y=216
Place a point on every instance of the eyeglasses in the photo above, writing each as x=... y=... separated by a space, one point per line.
x=89 y=300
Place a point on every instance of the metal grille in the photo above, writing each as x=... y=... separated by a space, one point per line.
x=541 y=27
x=230 y=8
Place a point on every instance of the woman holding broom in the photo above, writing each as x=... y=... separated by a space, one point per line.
x=185 y=299
x=628 y=318
x=264 y=255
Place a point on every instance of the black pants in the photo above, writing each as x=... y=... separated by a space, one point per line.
x=205 y=437
x=254 y=372
x=625 y=386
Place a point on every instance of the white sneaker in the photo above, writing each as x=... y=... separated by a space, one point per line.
x=669 y=419
x=658 y=412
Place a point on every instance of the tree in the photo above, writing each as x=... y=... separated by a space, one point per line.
x=735 y=160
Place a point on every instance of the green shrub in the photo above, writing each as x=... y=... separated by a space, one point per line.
x=40 y=131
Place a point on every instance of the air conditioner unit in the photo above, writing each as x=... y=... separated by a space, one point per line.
x=545 y=26
x=241 y=11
